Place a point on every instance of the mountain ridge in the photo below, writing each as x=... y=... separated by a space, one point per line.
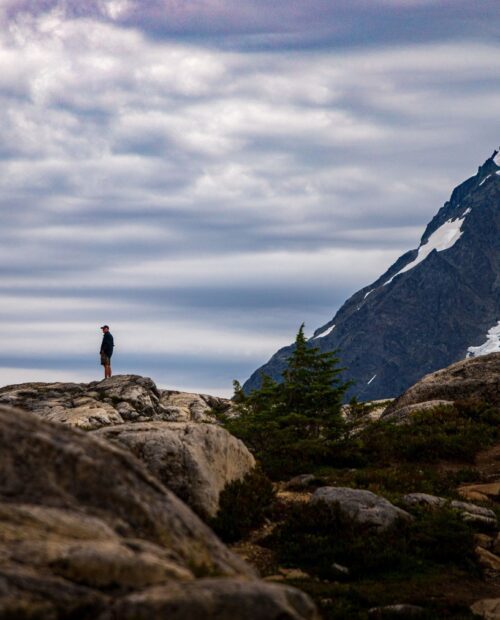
x=433 y=304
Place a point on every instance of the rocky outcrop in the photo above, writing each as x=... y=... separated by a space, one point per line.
x=188 y=407
x=87 y=532
x=55 y=466
x=123 y=398
x=362 y=507
x=173 y=433
x=476 y=377
x=195 y=461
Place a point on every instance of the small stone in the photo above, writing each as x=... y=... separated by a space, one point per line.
x=303 y=481
x=487 y=559
x=423 y=499
x=487 y=608
x=294 y=573
x=483 y=540
x=481 y=492
x=83 y=400
x=397 y=611
x=340 y=570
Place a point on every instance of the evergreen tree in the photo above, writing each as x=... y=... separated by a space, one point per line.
x=292 y=424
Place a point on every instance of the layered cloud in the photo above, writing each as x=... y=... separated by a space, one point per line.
x=206 y=192
x=282 y=23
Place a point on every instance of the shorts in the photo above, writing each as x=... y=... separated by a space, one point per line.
x=105 y=360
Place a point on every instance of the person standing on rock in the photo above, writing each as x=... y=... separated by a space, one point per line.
x=106 y=350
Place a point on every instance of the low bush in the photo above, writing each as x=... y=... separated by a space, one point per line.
x=243 y=506
x=316 y=537
x=406 y=478
x=454 y=433
x=339 y=601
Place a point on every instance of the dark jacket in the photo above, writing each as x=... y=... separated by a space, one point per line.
x=107 y=344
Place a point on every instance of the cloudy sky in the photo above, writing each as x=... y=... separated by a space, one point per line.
x=204 y=175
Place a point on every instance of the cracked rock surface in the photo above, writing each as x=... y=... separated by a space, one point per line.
x=86 y=531
x=122 y=398
x=174 y=433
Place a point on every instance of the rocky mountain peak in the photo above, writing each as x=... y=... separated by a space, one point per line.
x=435 y=305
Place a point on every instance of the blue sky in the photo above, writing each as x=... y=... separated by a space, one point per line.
x=205 y=175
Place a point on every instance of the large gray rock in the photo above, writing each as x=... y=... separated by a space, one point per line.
x=195 y=461
x=158 y=426
x=58 y=467
x=476 y=377
x=84 y=527
x=362 y=507
x=122 y=398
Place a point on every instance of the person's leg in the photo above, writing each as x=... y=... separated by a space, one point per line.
x=106 y=362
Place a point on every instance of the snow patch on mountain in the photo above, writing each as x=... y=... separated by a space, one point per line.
x=368 y=383
x=496 y=159
x=441 y=239
x=368 y=293
x=492 y=344
x=326 y=332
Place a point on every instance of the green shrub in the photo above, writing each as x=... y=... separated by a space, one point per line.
x=406 y=478
x=243 y=506
x=442 y=536
x=291 y=425
x=341 y=601
x=315 y=537
x=455 y=432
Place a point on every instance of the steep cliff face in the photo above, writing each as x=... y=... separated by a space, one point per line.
x=435 y=305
